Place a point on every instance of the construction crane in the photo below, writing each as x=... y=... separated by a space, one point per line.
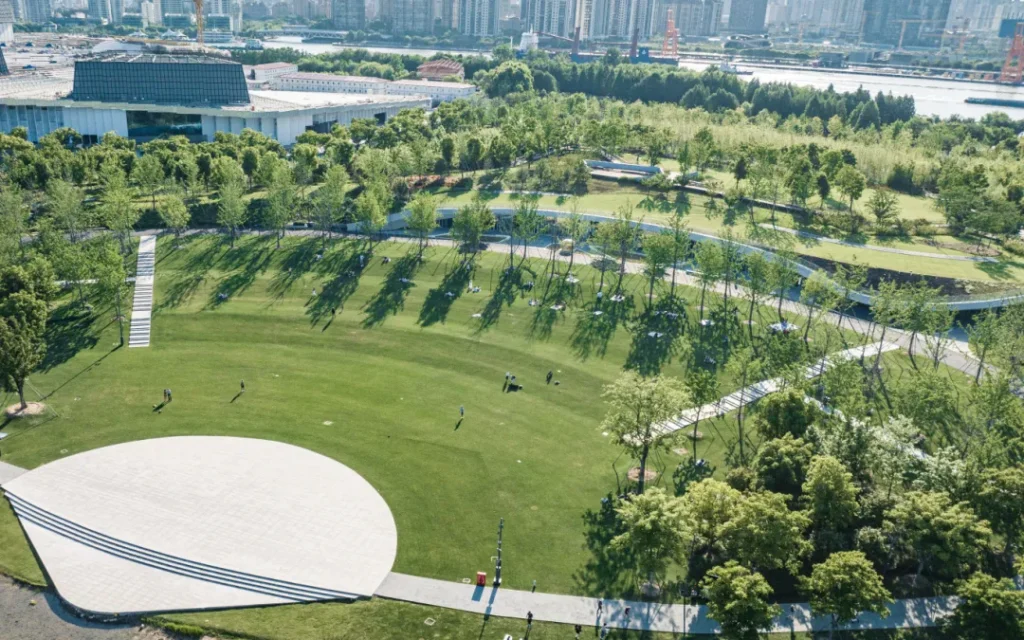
x=1013 y=69
x=199 y=20
x=670 y=46
x=903 y=30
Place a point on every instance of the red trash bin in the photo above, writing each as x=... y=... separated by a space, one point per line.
x=481 y=579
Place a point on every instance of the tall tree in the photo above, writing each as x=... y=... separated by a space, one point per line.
x=830 y=495
x=422 y=217
x=989 y=609
x=936 y=534
x=653 y=532
x=844 y=586
x=982 y=336
x=281 y=202
x=119 y=212
x=329 y=201
x=22 y=338
x=232 y=210
x=637 y=405
x=148 y=176
x=763 y=534
x=851 y=183
x=175 y=214
x=738 y=601
x=658 y=251
x=111 y=277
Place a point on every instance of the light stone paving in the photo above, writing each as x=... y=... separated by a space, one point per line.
x=9 y=472
x=758 y=390
x=142 y=304
x=134 y=527
x=649 y=616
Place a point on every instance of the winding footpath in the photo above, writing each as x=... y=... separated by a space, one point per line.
x=582 y=610
x=903 y=252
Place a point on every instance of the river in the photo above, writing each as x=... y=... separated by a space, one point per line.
x=933 y=96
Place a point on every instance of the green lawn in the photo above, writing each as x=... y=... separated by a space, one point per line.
x=390 y=384
x=389 y=372
x=609 y=197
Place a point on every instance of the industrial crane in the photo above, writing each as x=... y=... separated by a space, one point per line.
x=199 y=20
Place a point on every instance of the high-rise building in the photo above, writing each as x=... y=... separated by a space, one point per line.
x=150 y=10
x=175 y=7
x=556 y=17
x=692 y=17
x=109 y=10
x=621 y=18
x=411 y=16
x=908 y=23
x=6 y=21
x=747 y=16
x=479 y=17
x=349 y=14
x=38 y=11
x=449 y=14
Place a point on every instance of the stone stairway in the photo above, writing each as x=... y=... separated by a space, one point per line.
x=142 y=305
x=173 y=564
x=756 y=391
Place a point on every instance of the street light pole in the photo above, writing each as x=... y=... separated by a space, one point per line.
x=497 y=561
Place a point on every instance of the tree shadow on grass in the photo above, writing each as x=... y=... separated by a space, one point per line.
x=608 y=571
x=441 y=298
x=336 y=291
x=655 y=335
x=390 y=299
x=300 y=260
x=997 y=270
x=179 y=290
x=594 y=331
x=70 y=329
x=510 y=282
x=256 y=260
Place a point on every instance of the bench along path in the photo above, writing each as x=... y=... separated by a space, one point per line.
x=756 y=391
x=142 y=306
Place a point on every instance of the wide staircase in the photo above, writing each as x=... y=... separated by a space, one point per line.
x=283 y=589
x=142 y=305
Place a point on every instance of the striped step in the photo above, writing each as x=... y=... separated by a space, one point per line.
x=142 y=305
x=172 y=564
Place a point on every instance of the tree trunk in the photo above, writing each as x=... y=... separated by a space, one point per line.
x=703 y=290
x=643 y=470
x=750 y=316
x=807 y=329
x=20 y=382
x=695 y=423
x=739 y=415
x=981 y=366
x=120 y=317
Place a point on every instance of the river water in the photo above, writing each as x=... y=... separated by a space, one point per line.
x=933 y=96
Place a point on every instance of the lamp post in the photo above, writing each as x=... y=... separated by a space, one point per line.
x=497 y=561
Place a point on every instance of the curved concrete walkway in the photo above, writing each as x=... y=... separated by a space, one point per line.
x=869 y=247
x=396 y=221
x=644 y=616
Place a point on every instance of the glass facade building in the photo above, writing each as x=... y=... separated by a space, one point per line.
x=161 y=79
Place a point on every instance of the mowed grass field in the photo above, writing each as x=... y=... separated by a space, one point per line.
x=377 y=388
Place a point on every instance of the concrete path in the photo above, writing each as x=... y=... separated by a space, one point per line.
x=142 y=306
x=647 y=616
x=871 y=247
x=511 y=603
x=36 y=614
x=756 y=391
x=9 y=472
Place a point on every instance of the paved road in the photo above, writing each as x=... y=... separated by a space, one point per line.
x=670 y=618
x=32 y=614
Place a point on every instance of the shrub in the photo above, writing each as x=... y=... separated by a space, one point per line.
x=1014 y=246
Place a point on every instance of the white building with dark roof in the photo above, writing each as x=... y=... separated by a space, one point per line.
x=148 y=96
x=437 y=91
